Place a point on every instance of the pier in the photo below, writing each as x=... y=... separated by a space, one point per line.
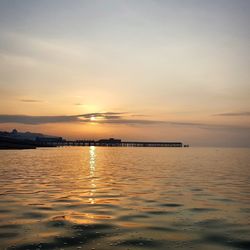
x=16 y=140
x=113 y=143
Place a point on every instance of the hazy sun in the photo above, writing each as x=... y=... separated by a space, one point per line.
x=92 y=118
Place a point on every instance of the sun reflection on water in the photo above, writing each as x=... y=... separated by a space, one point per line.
x=92 y=166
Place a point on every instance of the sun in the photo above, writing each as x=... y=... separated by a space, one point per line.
x=92 y=118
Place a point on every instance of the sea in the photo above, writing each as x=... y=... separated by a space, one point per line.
x=125 y=198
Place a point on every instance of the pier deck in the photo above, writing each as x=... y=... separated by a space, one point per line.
x=120 y=144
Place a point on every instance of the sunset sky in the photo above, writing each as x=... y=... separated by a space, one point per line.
x=174 y=70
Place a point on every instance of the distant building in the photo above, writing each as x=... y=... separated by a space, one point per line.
x=45 y=139
x=110 y=141
x=36 y=137
x=14 y=131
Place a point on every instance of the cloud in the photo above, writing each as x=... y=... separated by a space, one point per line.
x=234 y=114
x=104 y=116
x=30 y=100
x=27 y=119
x=174 y=123
x=116 y=118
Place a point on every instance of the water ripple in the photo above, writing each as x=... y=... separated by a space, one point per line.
x=124 y=198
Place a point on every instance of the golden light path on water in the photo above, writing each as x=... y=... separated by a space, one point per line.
x=92 y=156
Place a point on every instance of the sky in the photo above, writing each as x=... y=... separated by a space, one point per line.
x=172 y=70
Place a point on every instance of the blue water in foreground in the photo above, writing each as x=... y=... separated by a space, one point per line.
x=125 y=198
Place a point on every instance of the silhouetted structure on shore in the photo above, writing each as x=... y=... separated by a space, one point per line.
x=12 y=143
x=119 y=143
x=27 y=140
x=47 y=139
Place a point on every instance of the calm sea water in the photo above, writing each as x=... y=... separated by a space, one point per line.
x=125 y=198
